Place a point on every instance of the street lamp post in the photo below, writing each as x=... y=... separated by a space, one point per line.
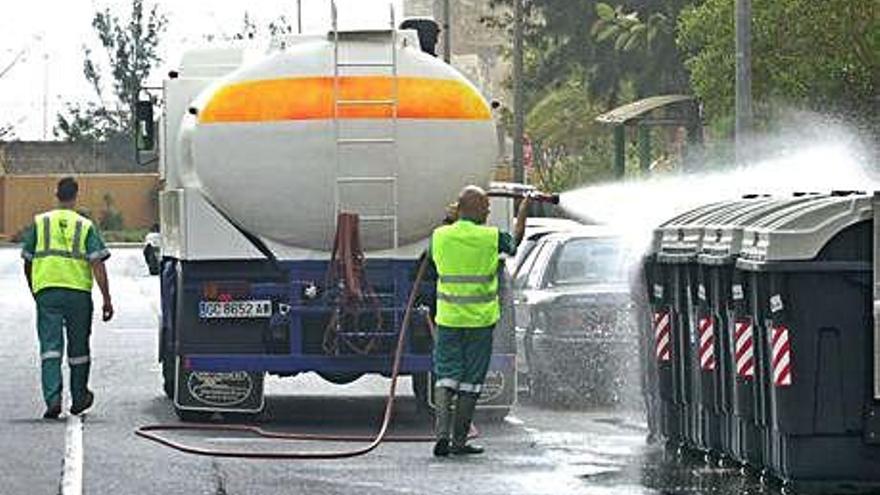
x=447 y=33
x=743 y=78
x=518 y=110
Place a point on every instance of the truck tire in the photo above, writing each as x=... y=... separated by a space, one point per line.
x=420 y=385
x=340 y=378
x=189 y=416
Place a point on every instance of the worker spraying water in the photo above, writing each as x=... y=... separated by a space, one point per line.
x=468 y=307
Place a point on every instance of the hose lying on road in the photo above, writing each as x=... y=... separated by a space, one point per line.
x=150 y=431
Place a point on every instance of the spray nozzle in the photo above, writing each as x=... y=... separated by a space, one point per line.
x=542 y=197
x=525 y=192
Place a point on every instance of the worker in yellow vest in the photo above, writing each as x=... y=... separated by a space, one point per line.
x=465 y=254
x=62 y=252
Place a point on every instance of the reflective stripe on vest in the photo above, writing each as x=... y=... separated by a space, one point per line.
x=60 y=256
x=466 y=256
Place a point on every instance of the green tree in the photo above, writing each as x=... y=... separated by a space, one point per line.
x=7 y=132
x=569 y=68
x=569 y=147
x=822 y=56
x=626 y=30
x=249 y=30
x=561 y=44
x=131 y=51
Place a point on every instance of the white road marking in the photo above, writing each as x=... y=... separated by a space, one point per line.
x=72 y=475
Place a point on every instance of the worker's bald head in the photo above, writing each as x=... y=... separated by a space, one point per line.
x=473 y=204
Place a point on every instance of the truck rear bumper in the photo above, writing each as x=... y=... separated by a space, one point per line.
x=409 y=364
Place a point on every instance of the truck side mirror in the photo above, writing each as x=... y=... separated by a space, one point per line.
x=145 y=127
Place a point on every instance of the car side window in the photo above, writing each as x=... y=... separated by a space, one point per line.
x=522 y=273
x=589 y=261
x=536 y=274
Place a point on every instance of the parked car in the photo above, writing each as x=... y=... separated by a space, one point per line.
x=576 y=340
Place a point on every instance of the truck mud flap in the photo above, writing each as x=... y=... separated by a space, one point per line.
x=499 y=390
x=227 y=391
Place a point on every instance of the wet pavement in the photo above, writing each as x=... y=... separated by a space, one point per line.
x=535 y=450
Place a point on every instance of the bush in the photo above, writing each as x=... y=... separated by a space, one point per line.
x=111 y=218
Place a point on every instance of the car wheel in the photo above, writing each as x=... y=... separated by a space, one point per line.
x=543 y=391
x=540 y=387
x=494 y=415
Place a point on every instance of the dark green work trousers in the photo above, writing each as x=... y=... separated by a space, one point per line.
x=461 y=358
x=59 y=309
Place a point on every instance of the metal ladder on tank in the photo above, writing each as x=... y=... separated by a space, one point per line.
x=346 y=142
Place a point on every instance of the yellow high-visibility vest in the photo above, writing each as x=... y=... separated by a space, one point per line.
x=60 y=255
x=466 y=256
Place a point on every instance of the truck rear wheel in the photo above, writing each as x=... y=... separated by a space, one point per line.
x=341 y=378
x=420 y=384
x=189 y=416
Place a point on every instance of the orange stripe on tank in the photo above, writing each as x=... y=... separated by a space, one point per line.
x=309 y=98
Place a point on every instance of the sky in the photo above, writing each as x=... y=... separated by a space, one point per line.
x=50 y=36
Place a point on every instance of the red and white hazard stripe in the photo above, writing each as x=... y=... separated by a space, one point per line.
x=706 y=353
x=744 y=348
x=781 y=356
x=663 y=335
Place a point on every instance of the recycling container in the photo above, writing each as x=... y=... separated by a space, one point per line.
x=721 y=245
x=709 y=331
x=807 y=285
x=663 y=337
x=675 y=325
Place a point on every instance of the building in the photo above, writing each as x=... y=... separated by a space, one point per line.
x=476 y=48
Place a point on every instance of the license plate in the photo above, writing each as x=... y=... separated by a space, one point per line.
x=235 y=309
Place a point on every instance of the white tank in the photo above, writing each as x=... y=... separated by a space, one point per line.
x=264 y=148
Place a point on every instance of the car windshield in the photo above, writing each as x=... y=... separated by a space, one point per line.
x=590 y=261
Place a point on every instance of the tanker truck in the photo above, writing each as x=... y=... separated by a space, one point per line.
x=301 y=184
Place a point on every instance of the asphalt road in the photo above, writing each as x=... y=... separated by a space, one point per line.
x=534 y=451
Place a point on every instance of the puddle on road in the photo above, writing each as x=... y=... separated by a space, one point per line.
x=592 y=463
x=655 y=471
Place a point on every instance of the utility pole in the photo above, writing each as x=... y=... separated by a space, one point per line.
x=299 y=16
x=743 y=78
x=518 y=110
x=447 y=33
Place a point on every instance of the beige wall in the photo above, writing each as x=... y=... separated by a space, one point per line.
x=23 y=196
x=2 y=189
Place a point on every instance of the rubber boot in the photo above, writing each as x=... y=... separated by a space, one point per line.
x=79 y=381
x=442 y=419
x=464 y=414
